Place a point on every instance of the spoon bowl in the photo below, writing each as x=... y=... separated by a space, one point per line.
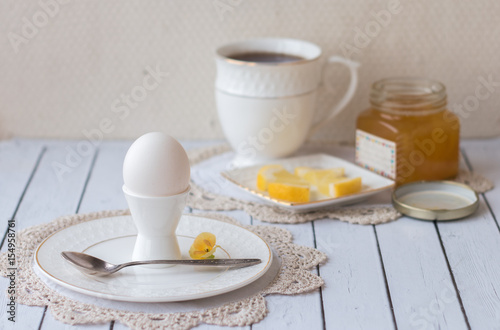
x=91 y=265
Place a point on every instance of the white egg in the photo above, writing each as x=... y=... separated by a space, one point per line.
x=156 y=165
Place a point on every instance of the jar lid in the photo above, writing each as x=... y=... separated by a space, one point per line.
x=435 y=200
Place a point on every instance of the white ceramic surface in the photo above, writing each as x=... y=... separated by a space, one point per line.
x=268 y=80
x=372 y=183
x=263 y=129
x=112 y=239
x=156 y=219
x=156 y=164
x=255 y=91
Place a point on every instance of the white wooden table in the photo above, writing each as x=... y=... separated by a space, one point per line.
x=406 y=274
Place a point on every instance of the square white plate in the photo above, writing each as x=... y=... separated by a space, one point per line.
x=246 y=178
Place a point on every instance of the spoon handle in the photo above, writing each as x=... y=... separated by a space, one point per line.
x=198 y=262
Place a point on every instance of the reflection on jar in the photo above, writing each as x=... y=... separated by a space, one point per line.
x=408 y=134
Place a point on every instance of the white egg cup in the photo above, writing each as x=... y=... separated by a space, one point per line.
x=156 y=219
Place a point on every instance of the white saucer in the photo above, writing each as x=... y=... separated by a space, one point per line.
x=113 y=239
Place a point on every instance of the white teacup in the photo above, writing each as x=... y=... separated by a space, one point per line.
x=266 y=106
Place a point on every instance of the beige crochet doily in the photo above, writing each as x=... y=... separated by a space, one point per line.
x=202 y=199
x=292 y=276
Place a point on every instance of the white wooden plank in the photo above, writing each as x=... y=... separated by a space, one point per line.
x=47 y=198
x=422 y=289
x=103 y=192
x=241 y=216
x=17 y=162
x=473 y=248
x=420 y=284
x=303 y=311
x=355 y=292
x=484 y=157
x=352 y=298
x=104 y=189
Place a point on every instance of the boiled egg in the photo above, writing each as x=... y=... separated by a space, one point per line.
x=156 y=165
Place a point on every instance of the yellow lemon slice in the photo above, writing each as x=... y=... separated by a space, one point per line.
x=282 y=184
x=317 y=176
x=266 y=174
x=284 y=176
x=345 y=187
x=290 y=192
x=324 y=186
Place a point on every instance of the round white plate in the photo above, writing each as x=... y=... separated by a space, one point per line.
x=113 y=239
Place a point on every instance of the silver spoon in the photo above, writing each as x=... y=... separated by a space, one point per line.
x=94 y=266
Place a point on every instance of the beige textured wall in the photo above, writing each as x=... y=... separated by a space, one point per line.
x=65 y=76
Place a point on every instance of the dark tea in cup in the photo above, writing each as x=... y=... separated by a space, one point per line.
x=261 y=57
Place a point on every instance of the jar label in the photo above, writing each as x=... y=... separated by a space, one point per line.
x=376 y=154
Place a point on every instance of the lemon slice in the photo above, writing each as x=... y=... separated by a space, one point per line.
x=324 y=186
x=317 y=176
x=290 y=192
x=282 y=184
x=345 y=187
x=284 y=176
x=266 y=174
x=289 y=187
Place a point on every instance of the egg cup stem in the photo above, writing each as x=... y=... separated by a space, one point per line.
x=156 y=220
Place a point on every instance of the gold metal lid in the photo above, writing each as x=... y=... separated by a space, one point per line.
x=435 y=200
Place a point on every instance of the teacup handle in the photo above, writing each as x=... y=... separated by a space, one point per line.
x=353 y=69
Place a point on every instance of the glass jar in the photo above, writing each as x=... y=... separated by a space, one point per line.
x=408 y=134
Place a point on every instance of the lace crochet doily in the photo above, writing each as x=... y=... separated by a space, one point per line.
x=292 y=277
x=203 y=199
x=476 y=181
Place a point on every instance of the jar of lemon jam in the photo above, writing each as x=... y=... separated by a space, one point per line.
x=408 y=134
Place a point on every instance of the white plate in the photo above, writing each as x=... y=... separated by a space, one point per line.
x=246 y=178
x=113 y=239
